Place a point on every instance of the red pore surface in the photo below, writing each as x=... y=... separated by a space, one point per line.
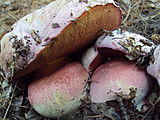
x=117 y=76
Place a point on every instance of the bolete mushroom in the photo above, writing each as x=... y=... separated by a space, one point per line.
x=120 y=43
x=60 y=28
x=117 y=43
x=106 y=80
x=59 y=94
x=40 y=40
x=118 y=77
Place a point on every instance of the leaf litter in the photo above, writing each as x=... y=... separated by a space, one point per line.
x=139 y=16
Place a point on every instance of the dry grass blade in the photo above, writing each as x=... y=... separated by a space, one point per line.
x=10 y=102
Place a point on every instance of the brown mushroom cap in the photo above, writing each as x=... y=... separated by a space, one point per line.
x=60 y=28
x=59 y=94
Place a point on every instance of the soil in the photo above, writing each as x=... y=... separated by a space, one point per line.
x=140 y=16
